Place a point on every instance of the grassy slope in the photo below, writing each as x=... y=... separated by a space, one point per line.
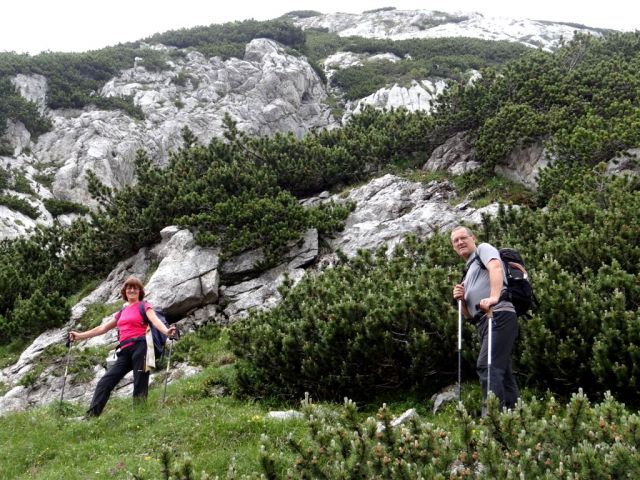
x=212 y=431
x=44 y=443
x=41 y=444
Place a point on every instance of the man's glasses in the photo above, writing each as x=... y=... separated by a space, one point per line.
x=460 y=239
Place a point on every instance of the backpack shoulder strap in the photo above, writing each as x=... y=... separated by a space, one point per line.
x=476 y=258
x=143 y=312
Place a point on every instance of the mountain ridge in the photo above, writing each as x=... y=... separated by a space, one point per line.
x=404 y=24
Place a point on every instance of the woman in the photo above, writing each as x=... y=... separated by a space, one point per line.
x=132 y=348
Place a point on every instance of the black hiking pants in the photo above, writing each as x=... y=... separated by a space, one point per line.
x=503 y=383
x=130 y=358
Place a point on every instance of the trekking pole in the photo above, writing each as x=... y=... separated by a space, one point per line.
x=489 y=346
x=66 y=371
x=166 y=377
x=459 y=350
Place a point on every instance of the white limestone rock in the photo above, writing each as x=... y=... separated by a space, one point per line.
x=405 y=24
x=388 y=208
x=267 y=91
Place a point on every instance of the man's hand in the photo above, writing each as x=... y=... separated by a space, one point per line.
x=458 y=292
x=487 y=303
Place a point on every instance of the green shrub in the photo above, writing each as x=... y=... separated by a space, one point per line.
x=81 y=362
x=206 y=347
x=537 y=439
x=10 y=351
x=21 y=184
x=420 y=59
x=230 y=36
x=374 y=323
x=19 y=205
x=6 y=150
x=583 y=257
x=579 y=100
x=96 y=312
x=45 y=179
x=5 y=176
x=302 y=13
x=58 y=207
x=36 y=313
x=363 y=328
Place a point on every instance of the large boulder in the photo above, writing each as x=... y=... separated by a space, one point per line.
x=523 y=165
x=456 y=156
x=187 y=276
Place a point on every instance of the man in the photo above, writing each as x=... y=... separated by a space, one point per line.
x=480 y=293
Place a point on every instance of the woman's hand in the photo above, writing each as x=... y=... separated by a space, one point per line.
x=74 y=336
x=171 y=331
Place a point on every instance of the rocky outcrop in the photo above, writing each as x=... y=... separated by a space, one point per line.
x=15 y=224
x=187 y=276
x=457 y=156
x=418 y=96
x=267 y=91
x=32 y=87
x=262 y=292
x=341 y=60
x=388 y=208
x=404 y=24
x=523 y=165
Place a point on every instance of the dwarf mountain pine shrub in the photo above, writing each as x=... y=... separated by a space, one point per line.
x=583 y=254
x=379 y=323
x=372 y=324
x=537 y=439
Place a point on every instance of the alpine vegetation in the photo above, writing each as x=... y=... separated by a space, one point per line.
x=364 y=328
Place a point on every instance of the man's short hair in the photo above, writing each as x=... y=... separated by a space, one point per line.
x=460 y=227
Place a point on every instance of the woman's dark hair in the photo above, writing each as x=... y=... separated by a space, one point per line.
x=132 y=281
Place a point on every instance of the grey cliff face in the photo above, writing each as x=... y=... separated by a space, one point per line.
x=265 y=92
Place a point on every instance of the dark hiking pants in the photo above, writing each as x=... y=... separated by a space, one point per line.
x=503 y=384
x=129 y=358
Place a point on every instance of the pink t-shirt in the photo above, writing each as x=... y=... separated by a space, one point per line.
x=130 y=322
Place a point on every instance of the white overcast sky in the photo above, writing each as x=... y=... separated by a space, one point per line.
x=32 y=26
